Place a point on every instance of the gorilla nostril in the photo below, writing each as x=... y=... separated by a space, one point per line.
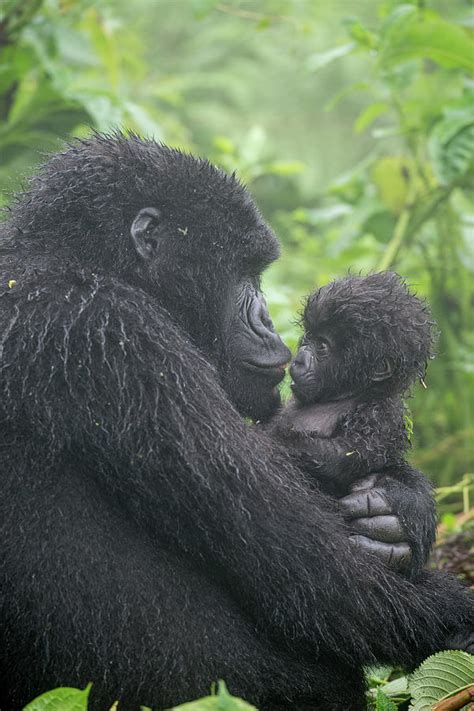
x=302 y=361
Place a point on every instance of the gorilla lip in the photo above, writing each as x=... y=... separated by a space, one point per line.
x=277 y=371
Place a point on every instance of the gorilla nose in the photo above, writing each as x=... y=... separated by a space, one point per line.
x=302 y=363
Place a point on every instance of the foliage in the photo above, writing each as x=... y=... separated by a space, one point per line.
x=355 y=132
x=440 y=676
x=408 y=205
x=76 y=700
x=63 y=699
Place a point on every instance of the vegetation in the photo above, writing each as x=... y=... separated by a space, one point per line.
x=444 y=679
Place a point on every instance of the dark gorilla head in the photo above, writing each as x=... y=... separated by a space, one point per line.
x=364 y=336
x=178 y=228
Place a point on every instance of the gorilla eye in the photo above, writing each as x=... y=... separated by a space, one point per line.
x=321 y=348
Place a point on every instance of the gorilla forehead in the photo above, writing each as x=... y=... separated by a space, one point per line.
x=97 y=186
x=380 y=299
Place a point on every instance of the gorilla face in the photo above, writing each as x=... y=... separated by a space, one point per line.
x=366 y=336
x=326 y=368
x=234 y=329
x=256 y=354
x=316 y=373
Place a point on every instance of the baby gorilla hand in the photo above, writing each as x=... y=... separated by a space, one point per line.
x=376 y=529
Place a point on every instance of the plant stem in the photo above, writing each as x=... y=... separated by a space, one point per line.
x=399 y=233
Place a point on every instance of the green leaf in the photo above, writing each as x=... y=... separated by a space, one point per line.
x=397 y=688
x=391 y=176
x=223 y=701
x=440 y=675
x=344 y=92
x=369 y=114
x=363 y=36
x=383 y=703
x=63 y=699
x=451 y=146
x=381 y=225
x=322 y=59
x=377 y=674
x=286 y=167
x=411 y=33
x=449 y=521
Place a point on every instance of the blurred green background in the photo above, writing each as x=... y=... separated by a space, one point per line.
x=351 y=121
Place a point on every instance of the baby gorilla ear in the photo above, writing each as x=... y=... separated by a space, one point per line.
x=383 y=372
x=142 y=232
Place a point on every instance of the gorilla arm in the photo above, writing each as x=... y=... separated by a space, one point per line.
x=394 y=505
x=116 y=384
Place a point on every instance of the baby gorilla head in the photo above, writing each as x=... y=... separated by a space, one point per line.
x=364 y=336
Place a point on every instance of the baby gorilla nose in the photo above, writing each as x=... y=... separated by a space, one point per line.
x=302 y=364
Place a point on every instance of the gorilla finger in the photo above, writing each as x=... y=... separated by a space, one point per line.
x=368 y=502
x=396 y=556
x=367 y=482
x=463 y=641
x=381 y=528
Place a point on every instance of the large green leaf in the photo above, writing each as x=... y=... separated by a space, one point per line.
x=63 y=699
x=451 y=145
x=439 y=676
x=413 y=33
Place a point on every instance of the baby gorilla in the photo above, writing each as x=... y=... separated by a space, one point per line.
x=366 y=341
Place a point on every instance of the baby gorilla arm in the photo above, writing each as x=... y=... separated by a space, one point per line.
x=326 y=449
x=331 y=462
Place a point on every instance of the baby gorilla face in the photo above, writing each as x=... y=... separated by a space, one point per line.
x=315 y=372
x=365 y=337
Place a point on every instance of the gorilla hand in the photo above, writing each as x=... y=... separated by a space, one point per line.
x=376 y=528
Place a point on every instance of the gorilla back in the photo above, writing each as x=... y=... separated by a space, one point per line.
x=151 y=541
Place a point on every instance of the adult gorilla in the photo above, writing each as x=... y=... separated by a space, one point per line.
x=153 y=542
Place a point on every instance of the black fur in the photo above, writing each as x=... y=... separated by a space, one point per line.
x=152 y=541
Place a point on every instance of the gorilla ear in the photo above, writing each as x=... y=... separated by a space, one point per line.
x=141 y=231
x=383 y=372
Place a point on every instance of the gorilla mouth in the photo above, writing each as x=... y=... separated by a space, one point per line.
x=267 y=370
